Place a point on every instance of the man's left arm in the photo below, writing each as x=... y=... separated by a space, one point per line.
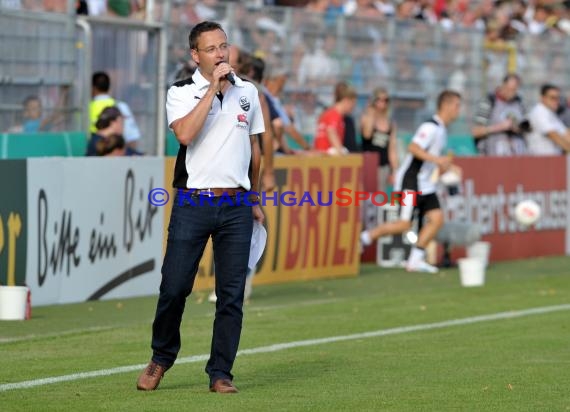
x=257 y=127
x=255 y=163
x=255 y=186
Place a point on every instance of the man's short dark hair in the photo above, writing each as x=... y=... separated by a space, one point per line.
x=258 y=66
x=244 y=62
x=445 y=96
x=106 y=146
x=31 y=98
x=512 y=76
x=108 y=115
x=545 y=88
x=343 y=90
x=101 y=82
x=200 y=28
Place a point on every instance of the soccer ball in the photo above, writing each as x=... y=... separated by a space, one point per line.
x=527 y=212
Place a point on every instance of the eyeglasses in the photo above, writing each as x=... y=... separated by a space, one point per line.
x=383 y=99
x=553 y=97
x=213 y=49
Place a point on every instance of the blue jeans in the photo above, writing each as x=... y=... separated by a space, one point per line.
x=188 y=232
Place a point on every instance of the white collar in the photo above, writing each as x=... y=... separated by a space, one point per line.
x=201 y=82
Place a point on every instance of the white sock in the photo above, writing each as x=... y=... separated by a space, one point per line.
x=416 y=255
x=365 y=238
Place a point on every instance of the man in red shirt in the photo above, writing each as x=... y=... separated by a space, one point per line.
x=330 y=128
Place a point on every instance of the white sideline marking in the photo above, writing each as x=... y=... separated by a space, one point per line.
x=211 y=313
x=57 y=335
x=247 y=308
x=297 y=344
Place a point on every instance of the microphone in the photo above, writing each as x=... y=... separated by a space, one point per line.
x=229 y=77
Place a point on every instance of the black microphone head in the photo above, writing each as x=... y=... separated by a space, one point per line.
x=230 y=78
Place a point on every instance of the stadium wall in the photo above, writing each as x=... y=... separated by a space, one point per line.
x=490 y=190
x=81 y=229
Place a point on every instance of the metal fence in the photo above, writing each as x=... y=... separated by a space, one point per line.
x=38 y=59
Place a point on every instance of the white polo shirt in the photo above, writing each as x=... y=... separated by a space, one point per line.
x=415 y=174
x=220 y=154
x=543 y=121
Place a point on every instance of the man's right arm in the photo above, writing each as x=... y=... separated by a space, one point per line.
x=268 y=178
x=561 y=140
x=482 y=127
x=543 y=123
x=187 y=127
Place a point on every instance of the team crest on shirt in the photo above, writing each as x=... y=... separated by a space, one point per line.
x=242 y=121
x=244 y=103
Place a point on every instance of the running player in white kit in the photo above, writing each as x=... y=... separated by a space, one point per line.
x=416 y=174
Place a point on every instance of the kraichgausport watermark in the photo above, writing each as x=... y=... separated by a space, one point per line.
x=341 y=197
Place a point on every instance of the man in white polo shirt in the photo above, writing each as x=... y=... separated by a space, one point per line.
x=548 y=135
x=215 y=116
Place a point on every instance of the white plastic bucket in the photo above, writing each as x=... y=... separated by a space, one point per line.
x=480 y=250
x=13 y=302
x=471 y=272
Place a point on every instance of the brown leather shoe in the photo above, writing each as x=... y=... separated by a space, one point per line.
x=151 y=376
x=223 y=386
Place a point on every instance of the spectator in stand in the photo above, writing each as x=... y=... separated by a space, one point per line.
x=96 y=7
x=350 y=134
x=119 y=8
x=267 y=35
x=81 y=8
x=538 y=23
x=54 y=6
x=379 y=133
x=104 y=141
x=330 y=133
x=318 y=66
x=518 y=21
x=406 y=10
x=275 y=80
x=251 y=69
x=33 y=119
x=548 y=135
x=317 y=6
x=304 y=110
x=386 y=7
x=114 y=145
x=497 y=121
x=363 y=9
x=101 y=84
